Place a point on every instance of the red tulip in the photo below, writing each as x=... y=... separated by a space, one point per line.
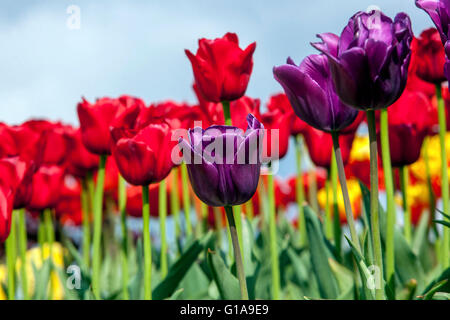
x=221 y=68
x=79 y=161
x=111 y=178
x=96 y=119
x=143 y=156
x=6 y=200
x=430 y=57
x=281 y=102
x=275 y=120
x=320 y=146
x=47 y=183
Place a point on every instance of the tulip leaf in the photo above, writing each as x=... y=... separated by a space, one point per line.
x=429 y=295
x=227 y=283
x=343 y=276
x=443 y=222
x=195 y=284
x=319 y=256
x=179 y=269
x=443 y=276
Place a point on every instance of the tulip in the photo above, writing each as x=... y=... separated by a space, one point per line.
x=47 y=183
x=276 y=139
x=68 y=209
x=431 y=57
x=439 y=12
x=80 y=161
x=215 y=180
x=369 y=62
x=310 y=90
x=221 y=68
x=95 y=120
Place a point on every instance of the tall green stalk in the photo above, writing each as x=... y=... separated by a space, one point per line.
x=445 y=245
x=343 y=180
x=186 y=199
x=273 y=238
x=300 y=193
x=237 y=253
x=23 y=241
x=123 y=224
x=97 y=237
x=249 y=210
x=389 y=185
x=49 y=230
x=147 y=244
x=337 y=230
x=374 y=210
x=85 y=208
x=162 y=207
x=328 y=219
x=226 y=113
x=11 y=259
x=175 y=203
x=404 y=177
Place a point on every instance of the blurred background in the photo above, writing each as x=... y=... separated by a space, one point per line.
x=137 y=47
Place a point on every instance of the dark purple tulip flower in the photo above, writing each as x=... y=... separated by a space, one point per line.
x=310 y=90
x=224 y=163
x=369 y=61
x=439 y=12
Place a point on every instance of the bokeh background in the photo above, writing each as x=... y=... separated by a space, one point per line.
x=137 y=47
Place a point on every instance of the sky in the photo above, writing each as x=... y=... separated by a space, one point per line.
x=137 y=47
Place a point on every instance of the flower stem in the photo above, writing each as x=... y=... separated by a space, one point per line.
x=237 y=253
x=226 y=113
x=175 y=203
x=23 y=241
x=218 y=223
x=343 y=180
x=336 y=219
x=186 y=199
x=97 y=236
x=11 y=259
x=389 y=183
x=50 y=232
x=444 y=175
x=249 y=210
x=328 y=219
x=86 y=224
x=147 y=244
x=238 y=220
x=162 y=201
x=374 y=211
x=404 y=177
x=300 y=193
x=123 y=224
x=273 y=238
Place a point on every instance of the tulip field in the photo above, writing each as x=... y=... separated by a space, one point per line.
x=167 y=200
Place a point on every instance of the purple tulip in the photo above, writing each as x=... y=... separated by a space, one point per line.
x=310 y=90
x=224 y=163
x=369 y=61
x=439 y=12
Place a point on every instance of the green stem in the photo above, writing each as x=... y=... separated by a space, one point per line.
x=86 y=224
x=389 y=183
x=41 y=235
x=273 y=238
x=97 y=237
x=175 y=202
x=328 y=218
x=343 y=180
x=238 y=220
x=226 y=113
x=404 y=177
x=300 y=193
x=250 y=210
x=444 y=174
x=374 y=211
x=218 y=222
x=162 y=201
x=50 y=231
x=147 y=244
x=23 y=241
x=11 y=259
x=186 y=199
x=123 y=224
x=237 y=253
x=337 y=234
x=204 y=212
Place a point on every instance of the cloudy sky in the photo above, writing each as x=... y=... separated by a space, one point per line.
x=137 y=47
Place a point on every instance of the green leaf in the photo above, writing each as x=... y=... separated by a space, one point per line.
x=195 y=284
x=444 y=223
x=429 y=295
x=227 y=283
x=343 y=276
x=319 y=256
x=445 y=275
x=176 y=294
x=179 y=269
x=420 y=234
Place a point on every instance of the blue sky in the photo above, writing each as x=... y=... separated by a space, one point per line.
x=137 y=47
